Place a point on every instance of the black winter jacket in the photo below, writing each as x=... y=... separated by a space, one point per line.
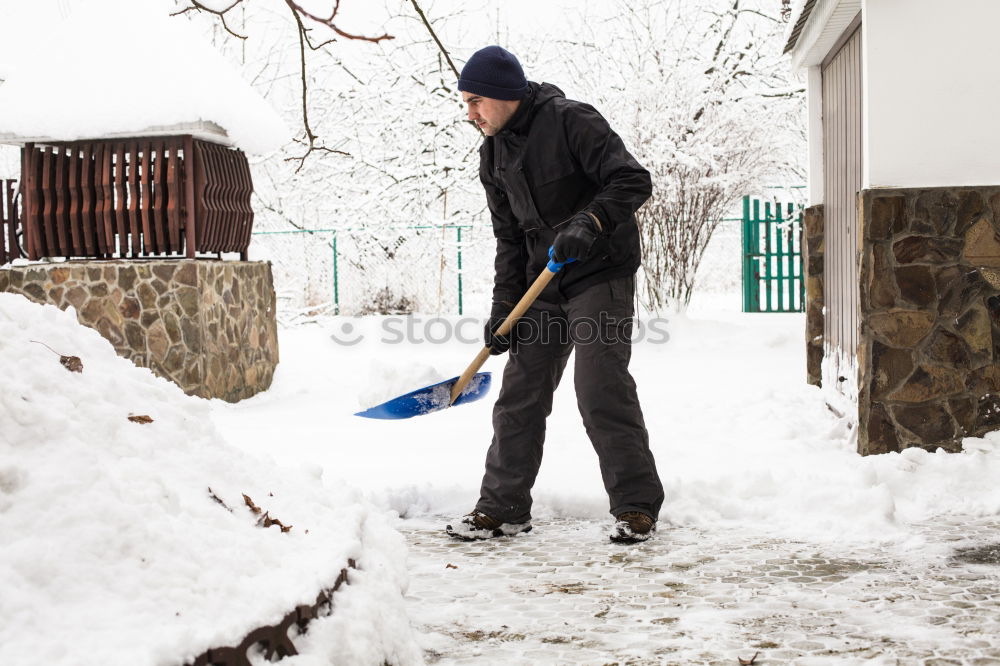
x=555 y=158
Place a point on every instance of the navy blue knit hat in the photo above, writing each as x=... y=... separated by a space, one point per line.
x=494 y=72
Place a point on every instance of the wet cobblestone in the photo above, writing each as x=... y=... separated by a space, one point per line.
x=562 y=594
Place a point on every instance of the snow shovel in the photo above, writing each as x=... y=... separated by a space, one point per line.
x=471 y=385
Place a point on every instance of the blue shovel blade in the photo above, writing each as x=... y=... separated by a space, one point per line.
x=429 y=399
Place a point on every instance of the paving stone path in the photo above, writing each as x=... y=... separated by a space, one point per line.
x=562 y=594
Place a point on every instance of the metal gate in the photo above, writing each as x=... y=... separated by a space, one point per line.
x=772 y=257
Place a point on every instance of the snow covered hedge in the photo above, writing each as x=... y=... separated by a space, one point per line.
x=112 y=547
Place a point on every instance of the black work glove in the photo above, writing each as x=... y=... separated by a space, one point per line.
x=576 y=239
x=499 y=344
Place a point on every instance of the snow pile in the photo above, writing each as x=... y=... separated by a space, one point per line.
x=114 y=67
x=114 y=550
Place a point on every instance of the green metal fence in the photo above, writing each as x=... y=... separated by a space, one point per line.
x=341 y=270
x=772 y=257
x=421 y=263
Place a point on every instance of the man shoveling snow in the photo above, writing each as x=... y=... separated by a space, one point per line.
x=556 y=176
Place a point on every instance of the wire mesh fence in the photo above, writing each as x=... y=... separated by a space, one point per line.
x=421 y=268
x=428 y=269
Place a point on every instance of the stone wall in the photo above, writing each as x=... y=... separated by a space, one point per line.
x=812 y=234
x=209 y=326
x=930 y=317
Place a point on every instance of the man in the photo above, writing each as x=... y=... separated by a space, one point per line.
x=557 y=176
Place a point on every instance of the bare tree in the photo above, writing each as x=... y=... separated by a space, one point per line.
x=313 y=30
x=394 y=142
x=696 y=88
x=397 y=157
x=708 y=107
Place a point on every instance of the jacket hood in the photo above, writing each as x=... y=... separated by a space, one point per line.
x=548 y=92
x=539 y=94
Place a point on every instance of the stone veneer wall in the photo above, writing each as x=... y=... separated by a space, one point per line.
x=209 y=326
x=812 y=233
x=930 y=317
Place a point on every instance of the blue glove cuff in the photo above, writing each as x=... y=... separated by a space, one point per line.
x=556 y=266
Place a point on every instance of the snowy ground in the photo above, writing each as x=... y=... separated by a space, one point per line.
x=775 y=537
x=703 y=596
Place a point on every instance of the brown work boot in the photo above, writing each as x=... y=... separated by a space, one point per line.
x=477 y=525
x=632 y=527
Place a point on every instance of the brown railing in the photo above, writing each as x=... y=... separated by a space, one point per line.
x=222 y=199
x=133 y=198
x=9 y=223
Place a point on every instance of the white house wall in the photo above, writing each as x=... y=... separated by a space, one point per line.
x=814 y=93
x=827 y=22
x=932 y=90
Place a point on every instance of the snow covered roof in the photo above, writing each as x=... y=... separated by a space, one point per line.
x=803 y=16
x=817 y=27
x=114 y=68
x=201 y=129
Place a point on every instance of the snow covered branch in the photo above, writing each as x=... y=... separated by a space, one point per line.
x=221 y=13
x=305 y=22
x=330 y=22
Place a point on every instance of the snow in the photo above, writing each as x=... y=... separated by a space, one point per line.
x=387 y=381
x=111 y=539
x=738 y=436
x=161 y=74
x=839 y=377
x=108 y=528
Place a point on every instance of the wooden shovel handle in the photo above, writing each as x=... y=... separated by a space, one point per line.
x=522 y=306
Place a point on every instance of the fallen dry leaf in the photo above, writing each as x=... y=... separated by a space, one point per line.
x=450 y=566
x=71 y=363
x=140 y=418
x=265 y=520
x=750 y=661
x=249 y=503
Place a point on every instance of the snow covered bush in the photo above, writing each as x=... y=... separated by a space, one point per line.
x=386 y=301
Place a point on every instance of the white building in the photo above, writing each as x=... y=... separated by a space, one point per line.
x=903 y=174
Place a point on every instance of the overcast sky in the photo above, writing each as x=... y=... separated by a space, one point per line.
x=481 y=22
x=483 y=15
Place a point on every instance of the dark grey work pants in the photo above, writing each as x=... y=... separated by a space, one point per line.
x=598 y=324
